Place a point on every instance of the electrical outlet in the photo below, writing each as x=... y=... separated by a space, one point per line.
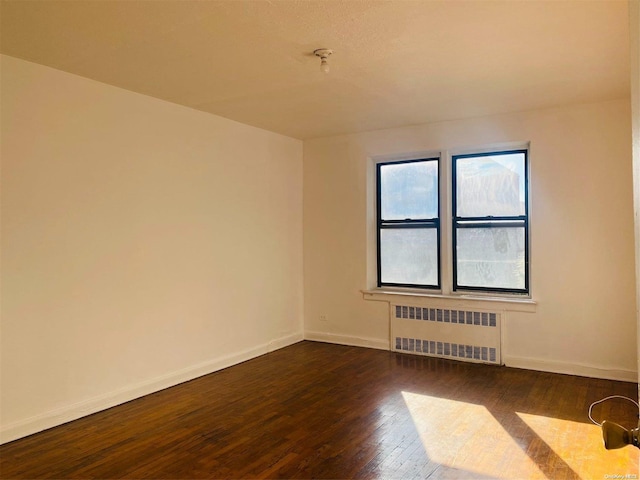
x=323 y=318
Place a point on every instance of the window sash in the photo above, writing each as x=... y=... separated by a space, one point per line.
x=410 y=223
x=425 y=264
x=488 y=225
x=489 y=222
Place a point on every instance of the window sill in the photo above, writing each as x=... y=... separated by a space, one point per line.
x=462 y=300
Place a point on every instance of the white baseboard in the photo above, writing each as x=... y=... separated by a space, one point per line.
x=77 y=410
x=347 y=340
x=509 y=360
x=570 y=368
x=285 y=341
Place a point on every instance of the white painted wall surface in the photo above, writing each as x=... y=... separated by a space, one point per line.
x=143 y=244
x=582 y=235
x=634 y=48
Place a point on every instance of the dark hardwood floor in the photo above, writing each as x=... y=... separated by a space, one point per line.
x=315 y=410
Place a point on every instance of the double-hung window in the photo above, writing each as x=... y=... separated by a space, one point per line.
x=485 y=224
x=490 y=222
x=409 y=223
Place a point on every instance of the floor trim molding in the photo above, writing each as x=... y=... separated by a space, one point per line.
x=347 y=340
x=67 y=413
x=570 y=368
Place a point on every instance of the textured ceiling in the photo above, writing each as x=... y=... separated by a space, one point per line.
x=396 y=63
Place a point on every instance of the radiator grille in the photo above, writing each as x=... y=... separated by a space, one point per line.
x=446 y=349
x=486 y=319
x=462 y=334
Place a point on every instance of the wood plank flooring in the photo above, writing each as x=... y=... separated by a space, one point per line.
x=315 y=410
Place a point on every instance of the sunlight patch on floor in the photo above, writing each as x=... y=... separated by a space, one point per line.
x=580 y=444
x=474 y=441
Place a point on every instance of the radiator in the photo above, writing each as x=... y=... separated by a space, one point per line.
x=467 y=335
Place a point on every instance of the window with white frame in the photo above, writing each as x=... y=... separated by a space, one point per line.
x=490 y=224
x=487 y=218
x=409 y=223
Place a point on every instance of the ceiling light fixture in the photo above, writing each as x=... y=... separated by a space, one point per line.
x=323 y=53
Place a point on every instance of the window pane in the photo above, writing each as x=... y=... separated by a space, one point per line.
x=409 y=256
x=409 y=190
x=490 y=257
x=490 y=185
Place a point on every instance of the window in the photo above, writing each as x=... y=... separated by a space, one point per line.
x=408 y=210
x=490 y=222
x=487 y=239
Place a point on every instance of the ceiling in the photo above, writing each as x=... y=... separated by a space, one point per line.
x=396 y=63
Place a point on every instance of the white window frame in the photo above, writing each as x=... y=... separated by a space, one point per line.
x=446 y=243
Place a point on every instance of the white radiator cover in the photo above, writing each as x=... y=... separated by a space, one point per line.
x=471 y=335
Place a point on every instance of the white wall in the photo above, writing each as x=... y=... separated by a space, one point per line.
x=634 y=47
x=143 y=244
x=581 y=235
